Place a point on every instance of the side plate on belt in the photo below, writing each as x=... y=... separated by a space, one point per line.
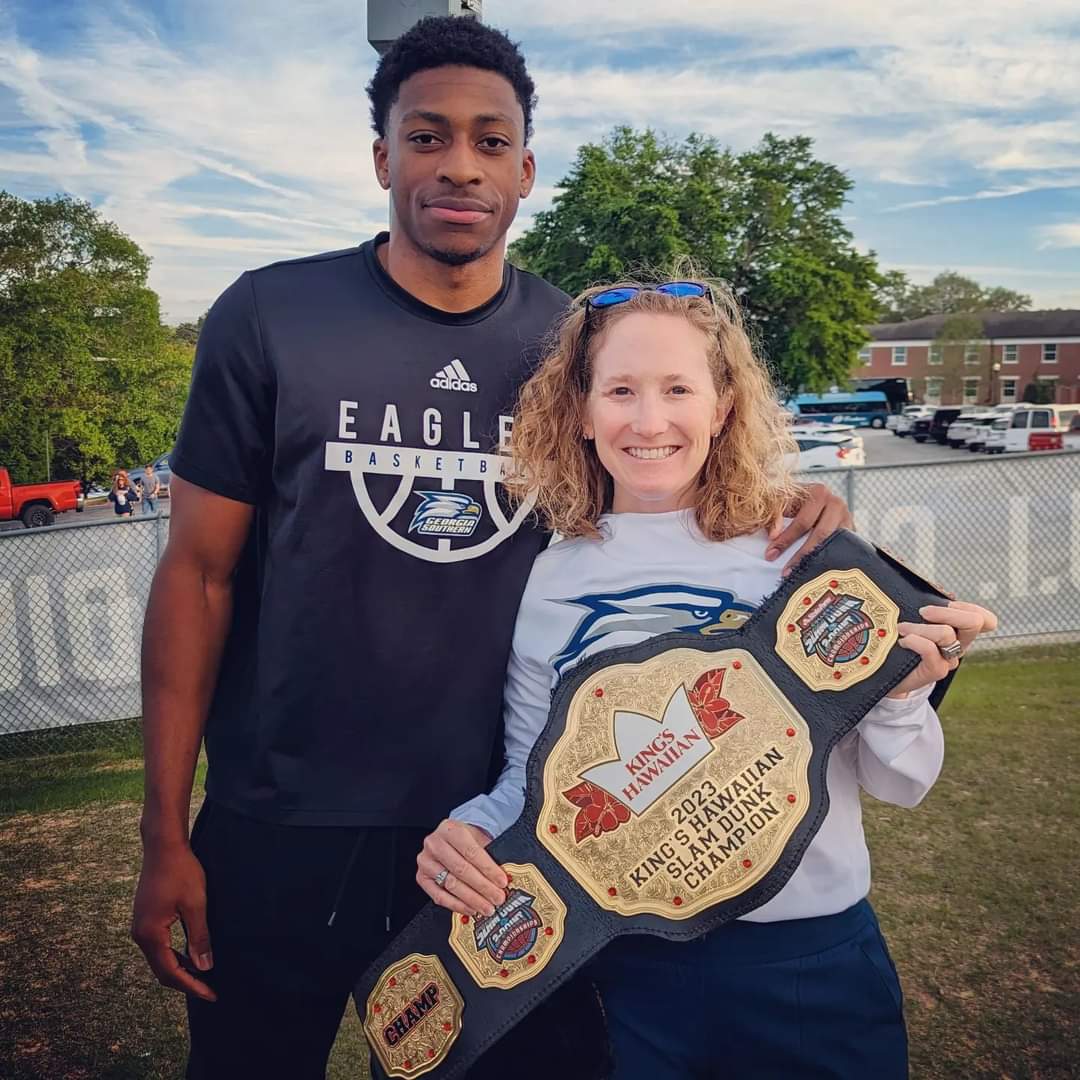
x=413 y=1016
x=676 y=782
x=502 y=950
x=837 y=630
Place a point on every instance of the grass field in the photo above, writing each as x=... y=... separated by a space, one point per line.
x=976 y=890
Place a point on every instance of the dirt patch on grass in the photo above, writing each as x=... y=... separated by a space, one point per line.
x=79 y=1001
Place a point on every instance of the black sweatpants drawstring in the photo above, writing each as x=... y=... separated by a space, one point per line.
x=391 y=876
x=345 y=876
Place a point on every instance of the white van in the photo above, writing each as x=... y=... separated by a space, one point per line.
x=1031 y=427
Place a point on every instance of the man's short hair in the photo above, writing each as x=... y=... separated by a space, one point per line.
x=439 y=41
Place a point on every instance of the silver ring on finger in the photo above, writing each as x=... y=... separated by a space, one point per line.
x=440 y=877
x=953 y=651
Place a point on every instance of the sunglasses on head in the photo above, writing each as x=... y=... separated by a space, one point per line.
x=622 y=293
x=609 y=298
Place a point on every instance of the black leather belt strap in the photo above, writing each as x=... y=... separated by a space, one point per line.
x=586 y=859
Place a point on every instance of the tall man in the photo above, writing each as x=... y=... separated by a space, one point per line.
x=335 y=605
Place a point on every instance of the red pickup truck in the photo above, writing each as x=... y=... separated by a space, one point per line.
x=37 y=504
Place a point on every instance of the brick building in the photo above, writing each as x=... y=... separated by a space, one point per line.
x=1017 y=348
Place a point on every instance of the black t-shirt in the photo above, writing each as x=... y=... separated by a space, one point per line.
x=374 y=605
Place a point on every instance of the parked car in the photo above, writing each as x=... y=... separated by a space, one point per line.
x=963 y=427
x=891 y=421
x=37 y=505
x=936 y=426
x=1072 y=436
x=826 y=451
x=976 y=439
x=1032 y=427
x=908 y=417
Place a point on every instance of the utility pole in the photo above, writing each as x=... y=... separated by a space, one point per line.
x=389 y=19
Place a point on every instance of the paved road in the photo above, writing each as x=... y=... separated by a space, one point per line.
x=70 y=519
x=885 y=448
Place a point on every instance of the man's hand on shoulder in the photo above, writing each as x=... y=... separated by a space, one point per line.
x=816 y=515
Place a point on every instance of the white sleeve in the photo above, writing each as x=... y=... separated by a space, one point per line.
x=901 y=748
x=526 y=704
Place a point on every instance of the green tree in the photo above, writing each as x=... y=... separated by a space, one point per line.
x=949 y=293
x=187 y=333
x=960 y=335
x=88 y=376
x=767 y=221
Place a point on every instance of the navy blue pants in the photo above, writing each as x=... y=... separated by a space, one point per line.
x=793 y=1000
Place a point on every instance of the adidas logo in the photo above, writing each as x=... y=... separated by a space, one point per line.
x=454 y=377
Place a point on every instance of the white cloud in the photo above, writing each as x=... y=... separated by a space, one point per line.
x=1063 y=235
x=268 y=96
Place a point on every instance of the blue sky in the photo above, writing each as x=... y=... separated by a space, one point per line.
x=224 y=136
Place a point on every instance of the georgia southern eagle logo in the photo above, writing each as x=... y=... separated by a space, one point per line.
x=651 y=610
x=445 y=513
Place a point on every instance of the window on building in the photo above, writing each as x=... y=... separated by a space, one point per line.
x=971 y=389
x=933 y=391
x=1008 y=391
x=1048 y=386
x=865 y=357
x=935 y=355
x=971 y=353
x=899 y=355
x=1008 y=354
x=1050 y=352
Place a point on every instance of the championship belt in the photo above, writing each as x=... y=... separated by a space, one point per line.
x=676 y=786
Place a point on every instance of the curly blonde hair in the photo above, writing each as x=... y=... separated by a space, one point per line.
x=744 y=483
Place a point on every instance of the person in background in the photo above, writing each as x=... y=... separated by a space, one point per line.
x=151 y=487
x=122 y=495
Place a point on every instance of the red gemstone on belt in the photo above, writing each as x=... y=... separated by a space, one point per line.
x=737 y=665
x=599 y=691
x=677 y=901
x=747 y=863
x=791 y=798
x=553 y=828
x=882 y=633
x=791 y=732
x=416 y=969
x=864 y=660
x=612 y=891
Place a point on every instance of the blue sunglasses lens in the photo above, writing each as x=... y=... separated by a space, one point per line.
x=682 y=288
x=613 y=296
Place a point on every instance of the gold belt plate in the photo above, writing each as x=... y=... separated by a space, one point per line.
x=413 y=1015
x=676 y=782
x=837 y=630
x=501 y=951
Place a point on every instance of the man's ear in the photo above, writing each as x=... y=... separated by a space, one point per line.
x=528 y=173
x=380 y=153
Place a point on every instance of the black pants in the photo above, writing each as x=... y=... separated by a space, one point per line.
x=283 y=976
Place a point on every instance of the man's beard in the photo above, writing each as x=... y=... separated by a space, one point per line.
x=455 y=258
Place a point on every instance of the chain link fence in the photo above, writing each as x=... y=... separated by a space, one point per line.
x=1004 y=532
x=72 y=599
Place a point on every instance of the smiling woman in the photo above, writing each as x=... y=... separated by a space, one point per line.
x=651 y=403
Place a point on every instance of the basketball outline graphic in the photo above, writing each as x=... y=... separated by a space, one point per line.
x=412 y=464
